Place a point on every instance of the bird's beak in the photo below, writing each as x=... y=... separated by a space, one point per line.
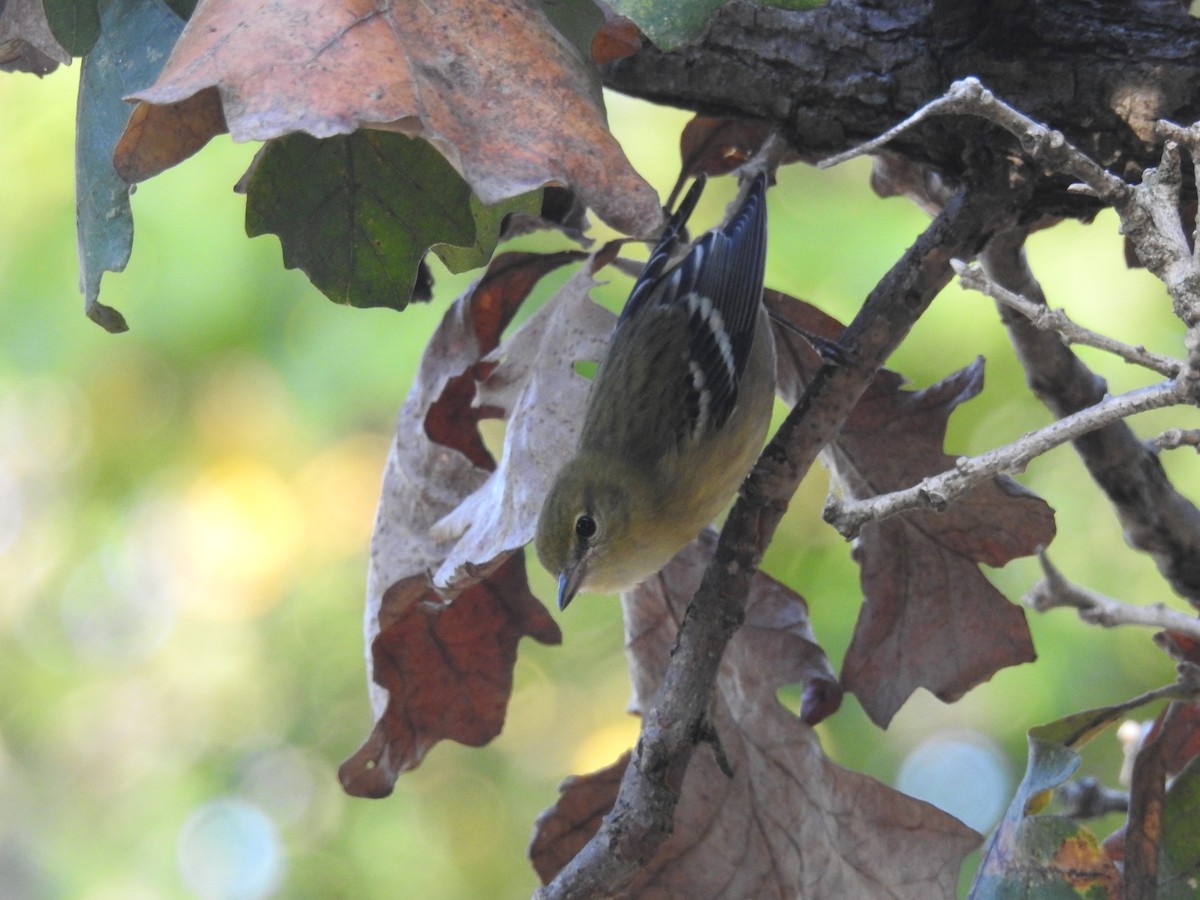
x=569 y=581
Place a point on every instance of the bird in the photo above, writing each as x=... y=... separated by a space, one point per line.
x=678 y=409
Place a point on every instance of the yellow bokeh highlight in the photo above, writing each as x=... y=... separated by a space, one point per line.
x=243 y=406
x=339 y=488
x=601 y=748
x=240 y=532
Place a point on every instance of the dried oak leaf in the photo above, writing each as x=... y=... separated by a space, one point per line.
x=509 y=102
x=532 y=378
x=27 y=43
x=440 y=662
x=929 y=618
x=717 y=146
x=788 y=822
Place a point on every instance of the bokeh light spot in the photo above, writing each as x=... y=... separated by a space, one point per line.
x=240 y=533
x=230 y=850
x=960 y=772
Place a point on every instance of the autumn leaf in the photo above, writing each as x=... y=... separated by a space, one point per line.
x=533 y=379
x=28 y=40
x=445 y=668
x=357 y=212
x=929 y=618
x=134 y=37
x=788 y=822
x=1032 y=853
x=441 y=660
x=715 y=146
x=668 y=23
x=432 y=69
x=617 y=38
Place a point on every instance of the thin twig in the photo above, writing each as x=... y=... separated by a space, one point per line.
x=1174 y=438
x=968 y=96
x=1155 y=517
x=973 y=277
x=1054 y=590
x=1087 y=798
x=935 y=492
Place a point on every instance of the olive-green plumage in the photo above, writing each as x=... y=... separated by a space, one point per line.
x=677 y=413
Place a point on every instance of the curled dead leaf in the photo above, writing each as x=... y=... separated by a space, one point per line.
x=788 y=822
x=508 y=101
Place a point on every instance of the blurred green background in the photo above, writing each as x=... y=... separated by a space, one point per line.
x=185 y=512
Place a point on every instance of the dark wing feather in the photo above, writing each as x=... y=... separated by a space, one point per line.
x=723 y=273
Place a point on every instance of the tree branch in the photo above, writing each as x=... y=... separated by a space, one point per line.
x=839 y=74
x=1087 y=798
x=1043 y=318
x=1156 y=518
x=641 y=817
x=1054 y=591
x=938 y=491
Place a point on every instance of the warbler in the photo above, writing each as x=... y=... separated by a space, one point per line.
x=677 y=412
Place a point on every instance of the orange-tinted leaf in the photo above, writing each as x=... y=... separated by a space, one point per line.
x=718 y=146
x=492 y=85
x=617 y=38
x=446 y=669
x=441 y=661
x=788 y=822
x=930 y=618
x=1031 y=854
x=157 y=137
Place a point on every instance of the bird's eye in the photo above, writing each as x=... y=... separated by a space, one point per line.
x=585 y=526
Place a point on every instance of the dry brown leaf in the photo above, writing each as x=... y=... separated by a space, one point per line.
x=717 y=146
x=562 y=830
x=508 y=101
x=534 y=380
x=441 y=662
x=789 y=823
x=929 y=618
x=617 y=38
x=26 y=42
x=158 y=137
x=446 y=669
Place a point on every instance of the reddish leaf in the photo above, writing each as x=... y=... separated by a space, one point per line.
x=1180 y=647
x=718 y=146
x=930 y=618
x=788 y=822
x=492 y=85
x=441 y=661
x=452 y=420
x=1144 y=827
x=158 y=137
x=1179 y=735
x=617 y=38
x=446 y=668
